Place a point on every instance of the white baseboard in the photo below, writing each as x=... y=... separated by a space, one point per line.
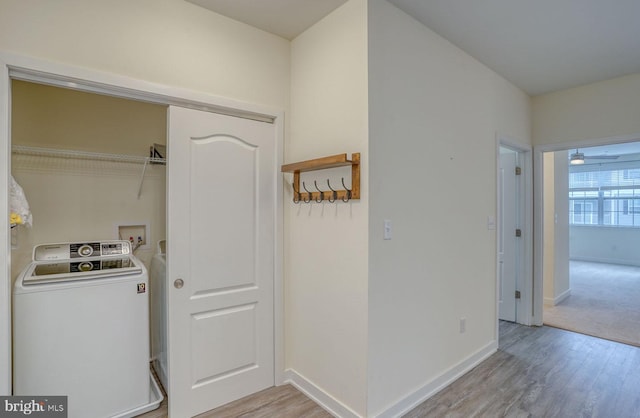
x=558 y=299
x=338 y=409
x=622 y=262
x=436 y=385
x=562 y=296
x=326 y=401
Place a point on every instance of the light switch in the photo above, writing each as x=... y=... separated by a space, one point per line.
x=387 y=229
x=491 y=222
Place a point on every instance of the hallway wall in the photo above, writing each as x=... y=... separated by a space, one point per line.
x=435 y=114
x=326 y=244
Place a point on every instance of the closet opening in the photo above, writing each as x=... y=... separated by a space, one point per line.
x=236 y=117
x=91 y=170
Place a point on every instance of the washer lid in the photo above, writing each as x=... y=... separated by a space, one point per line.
x=84 y=269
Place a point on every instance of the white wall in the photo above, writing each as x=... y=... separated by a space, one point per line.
x=616 y=245
x=434 y=115
x=326 y=244
x=594 y=111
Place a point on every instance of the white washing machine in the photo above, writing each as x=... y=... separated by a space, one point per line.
x=81 y=329
x=158 y=297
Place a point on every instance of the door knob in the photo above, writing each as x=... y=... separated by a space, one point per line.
x=178 y=283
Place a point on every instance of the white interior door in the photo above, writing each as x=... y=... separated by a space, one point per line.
x=220 y=258
x=507 y=241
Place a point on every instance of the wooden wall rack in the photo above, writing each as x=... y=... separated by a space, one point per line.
x=327 y=191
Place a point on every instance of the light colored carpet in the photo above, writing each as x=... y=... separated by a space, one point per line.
x=604 y=302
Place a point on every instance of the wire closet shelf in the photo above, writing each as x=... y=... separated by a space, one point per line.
x=85 y=155
x=93 y=156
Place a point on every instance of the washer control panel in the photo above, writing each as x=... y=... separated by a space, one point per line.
x=73 y=250
x=84 y=250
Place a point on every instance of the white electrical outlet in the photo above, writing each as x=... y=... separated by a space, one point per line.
x=463 y=325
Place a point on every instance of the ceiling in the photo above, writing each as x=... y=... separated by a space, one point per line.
x=538 y=45
x=285 y=18
x=610 y=150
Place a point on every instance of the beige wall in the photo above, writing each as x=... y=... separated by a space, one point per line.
x=549 y=208
x=326 y=244
x=171 y=42
x=433 y=119
x=79 y=200
x=556 y=283
x=53 y=117
x=562 y=285
x=595 y=111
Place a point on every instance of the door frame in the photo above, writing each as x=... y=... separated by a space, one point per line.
x=525 y=307
x=538 y=186
x=14 y=66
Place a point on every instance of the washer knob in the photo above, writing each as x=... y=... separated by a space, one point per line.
x=85 y=266
x=86 y=250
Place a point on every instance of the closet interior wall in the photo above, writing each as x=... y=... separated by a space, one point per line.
x=82 y=199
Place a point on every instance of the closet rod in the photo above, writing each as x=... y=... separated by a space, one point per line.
x=84 y=155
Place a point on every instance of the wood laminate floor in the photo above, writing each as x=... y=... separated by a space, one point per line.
x=537 y=372
x=545 y=372
x=276 y=402
x=281 y=401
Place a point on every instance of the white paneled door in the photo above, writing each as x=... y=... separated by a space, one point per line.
x=508 y=242
x=220 y=258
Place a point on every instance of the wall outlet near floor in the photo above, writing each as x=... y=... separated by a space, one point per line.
x=463 y=325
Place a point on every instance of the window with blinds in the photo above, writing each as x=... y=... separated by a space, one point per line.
x=605 y=194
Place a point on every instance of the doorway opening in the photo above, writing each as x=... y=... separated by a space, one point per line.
x=591 y=265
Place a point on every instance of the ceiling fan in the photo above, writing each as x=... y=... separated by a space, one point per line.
x=579 y=157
